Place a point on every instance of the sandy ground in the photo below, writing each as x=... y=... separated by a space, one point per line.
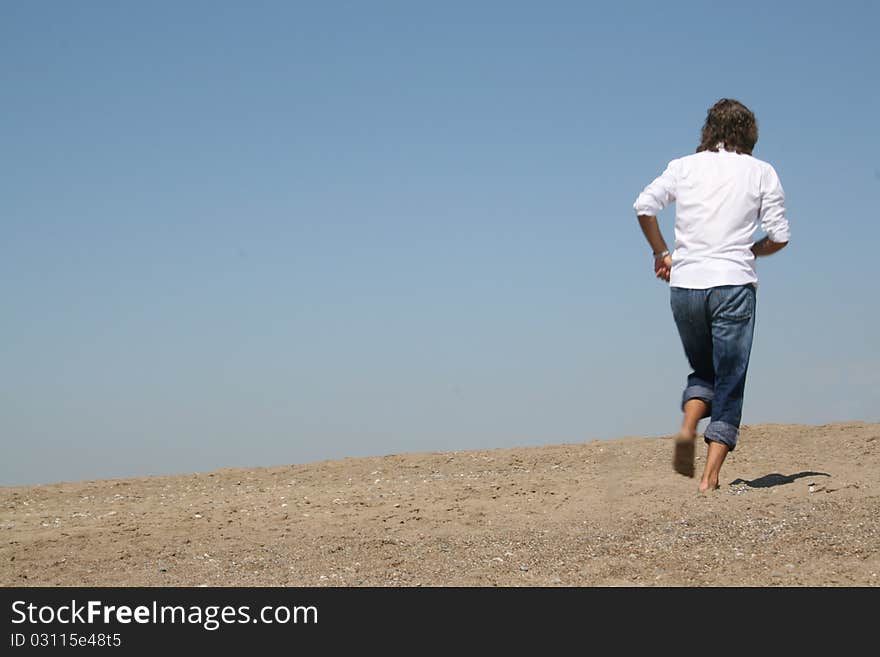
x=798 y=506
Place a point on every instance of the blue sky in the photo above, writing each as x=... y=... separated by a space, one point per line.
x=240 y=234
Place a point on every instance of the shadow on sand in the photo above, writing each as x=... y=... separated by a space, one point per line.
x=776 y=479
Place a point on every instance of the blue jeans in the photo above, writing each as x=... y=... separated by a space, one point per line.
x=716 y=326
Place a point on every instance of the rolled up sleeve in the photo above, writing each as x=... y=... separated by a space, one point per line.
x=773 y=220
x=659 y=194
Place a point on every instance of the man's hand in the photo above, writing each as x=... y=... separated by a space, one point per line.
x=662 y=267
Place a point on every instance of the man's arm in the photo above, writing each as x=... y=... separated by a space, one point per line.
x=773 y=219
x=651 y=230
x=656 y=196
x=662 y=259
x=766 y=246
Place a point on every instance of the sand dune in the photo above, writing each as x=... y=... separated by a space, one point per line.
x=798 y=506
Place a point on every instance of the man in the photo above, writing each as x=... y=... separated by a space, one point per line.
x=722 y=196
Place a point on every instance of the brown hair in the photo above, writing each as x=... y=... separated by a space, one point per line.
x=730 y=124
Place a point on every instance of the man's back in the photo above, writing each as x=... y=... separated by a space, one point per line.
x=721 y=199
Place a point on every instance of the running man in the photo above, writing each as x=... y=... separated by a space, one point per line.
x=722 y=196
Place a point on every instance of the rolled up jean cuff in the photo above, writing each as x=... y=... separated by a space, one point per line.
x=697 y=392
x=721 y=432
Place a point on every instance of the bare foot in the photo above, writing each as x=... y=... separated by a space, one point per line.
x=706 y=487
x=683 y=458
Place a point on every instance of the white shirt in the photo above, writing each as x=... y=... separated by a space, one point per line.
x=721 y=199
